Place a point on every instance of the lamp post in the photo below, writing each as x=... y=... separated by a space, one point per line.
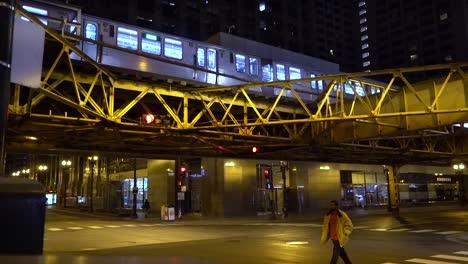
x=91 y=179
x=41 y=178
x=63 y=188
x=461 y=186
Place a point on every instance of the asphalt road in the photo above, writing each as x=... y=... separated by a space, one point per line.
x=428 y=235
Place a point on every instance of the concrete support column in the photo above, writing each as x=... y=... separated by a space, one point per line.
x=213 y=187
x=393 y=191
x=161 y=182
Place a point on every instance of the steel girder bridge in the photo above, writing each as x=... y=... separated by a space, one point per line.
x=83 y=106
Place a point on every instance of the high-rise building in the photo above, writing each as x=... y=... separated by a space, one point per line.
x=402 y=33
x=319 y=28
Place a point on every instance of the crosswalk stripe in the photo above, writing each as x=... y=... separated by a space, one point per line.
x=130 y=225
x=145 y=225
x=112 y=226
x=95 y=227
x=428 y=261
x=55 y=229
x=360 y=227
x=450 y=257
x=379 y=229
x=399 y=230
x=461 y=252
x=423 y=231
x=447 y=232
x=75 y=228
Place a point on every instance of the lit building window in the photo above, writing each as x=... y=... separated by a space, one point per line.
x=448 y=58
x=364 y=37
x=365 y=46
x=414 y=57
x=362 y=3
x=366 y=63
x=363 y=29
x=365 y=55
x=261 y=6
x=332 y=52
x=443 y=16
x=362 y=12
x=362 y=20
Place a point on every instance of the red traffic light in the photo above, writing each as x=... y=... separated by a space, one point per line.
x=266 y=173
x=183 y=169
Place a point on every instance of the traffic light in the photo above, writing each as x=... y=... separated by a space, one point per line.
x=266 y=173
x=254 y=149
x=183 y=169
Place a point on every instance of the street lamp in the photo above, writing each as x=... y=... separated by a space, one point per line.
x=461 y=186
x=42 y=168
x=91 y=187
x=66 y=177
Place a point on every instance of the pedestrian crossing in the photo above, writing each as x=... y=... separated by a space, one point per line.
x=312 y=225
x=58 y=229
x=454 y=258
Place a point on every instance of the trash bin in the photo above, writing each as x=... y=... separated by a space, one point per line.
x=22 y=217
x=164 y=215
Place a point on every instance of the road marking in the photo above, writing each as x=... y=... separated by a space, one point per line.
x=360 y=227
x=461 y=252
x=379 y=229
x=112 y=226
x=88 y=249
x=447 y=232
x=75 y=228
x=95 y=227
x=428 y=261
x=423 y=231
x=450 y=257
x=55 y=229
x=145 y=225
x=399 y=230
x=130 y=225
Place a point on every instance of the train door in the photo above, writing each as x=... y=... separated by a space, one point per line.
x=200 y=62
x=267 y=76
x=212 y=66
x=90 y=32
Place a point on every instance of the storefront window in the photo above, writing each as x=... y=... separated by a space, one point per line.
x=127 y=194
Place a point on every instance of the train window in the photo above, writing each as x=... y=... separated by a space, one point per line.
x=91 y=31
x=294 y=73
x=173 y=48
x=313 y=84
x=320 y=84
x=253 y=66
x=348 y=88
x=127 y=38
x=150 y=43
x=37 y=11
x=267 y=73
x=201 y=57
x=280 y=72
x=240 y=63
x=212 y=59
x=359 y=89
x=73 y=29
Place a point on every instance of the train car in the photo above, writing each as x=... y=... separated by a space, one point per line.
x=223 y=60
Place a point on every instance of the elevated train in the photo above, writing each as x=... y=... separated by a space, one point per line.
x=222 y=61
